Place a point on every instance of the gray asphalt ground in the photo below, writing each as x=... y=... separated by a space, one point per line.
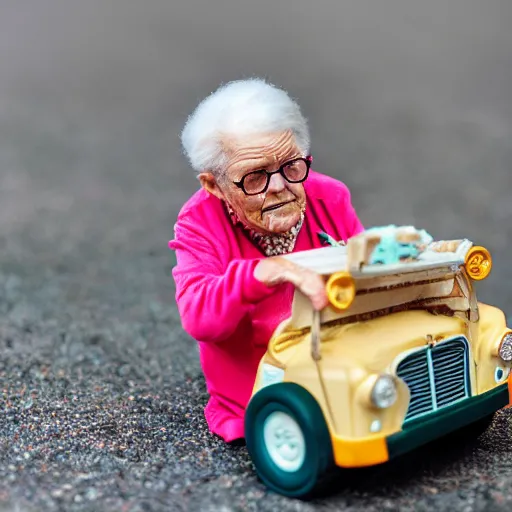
x=410 y=103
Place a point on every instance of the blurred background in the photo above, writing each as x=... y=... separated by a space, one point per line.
x=409 y=103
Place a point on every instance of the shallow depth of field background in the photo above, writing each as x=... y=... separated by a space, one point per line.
x=409 y=103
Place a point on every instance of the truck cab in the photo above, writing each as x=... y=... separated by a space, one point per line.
x=403 y=354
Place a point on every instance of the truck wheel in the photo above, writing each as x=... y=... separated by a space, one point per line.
x=288 y=440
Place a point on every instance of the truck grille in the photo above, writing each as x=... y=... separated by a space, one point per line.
x=436 y=376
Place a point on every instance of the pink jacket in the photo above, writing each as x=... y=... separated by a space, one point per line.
x=222 y=305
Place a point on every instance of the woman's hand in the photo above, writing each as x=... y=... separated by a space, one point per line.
x=275 y=270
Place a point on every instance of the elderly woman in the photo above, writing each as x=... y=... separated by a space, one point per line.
x=259 y=199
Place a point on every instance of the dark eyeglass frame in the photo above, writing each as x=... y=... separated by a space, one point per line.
x=307 y=160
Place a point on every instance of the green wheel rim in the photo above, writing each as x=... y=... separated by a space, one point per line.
x=295 y=402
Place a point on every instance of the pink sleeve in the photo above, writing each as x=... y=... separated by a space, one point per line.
x=354 y=225
x=212 y=298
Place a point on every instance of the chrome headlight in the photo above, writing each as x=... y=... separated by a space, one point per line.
x=384 y=392
x=505 y=350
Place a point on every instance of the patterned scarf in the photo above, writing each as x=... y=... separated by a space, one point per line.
x=271 y=245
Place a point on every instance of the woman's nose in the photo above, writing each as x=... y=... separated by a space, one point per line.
x=276 y=183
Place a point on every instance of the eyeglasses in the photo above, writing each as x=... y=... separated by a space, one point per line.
x=293 y=171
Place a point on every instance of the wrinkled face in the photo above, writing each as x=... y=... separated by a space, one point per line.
x=279 y=208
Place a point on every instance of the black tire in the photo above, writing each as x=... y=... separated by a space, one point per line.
x=296 y=403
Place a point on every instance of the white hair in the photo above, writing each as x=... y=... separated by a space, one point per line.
x=240 y=108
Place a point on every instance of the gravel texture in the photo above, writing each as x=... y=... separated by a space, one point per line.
x=101 y=391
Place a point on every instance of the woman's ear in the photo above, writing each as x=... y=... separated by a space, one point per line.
x=209 y=183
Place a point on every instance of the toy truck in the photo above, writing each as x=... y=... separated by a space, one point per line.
x=403 y=354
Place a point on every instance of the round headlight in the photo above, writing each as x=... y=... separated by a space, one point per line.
x=478 y=263
x=384 y=393
x=341 y=290
x=505 y=351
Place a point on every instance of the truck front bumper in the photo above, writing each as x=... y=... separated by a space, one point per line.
x=377 y=449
